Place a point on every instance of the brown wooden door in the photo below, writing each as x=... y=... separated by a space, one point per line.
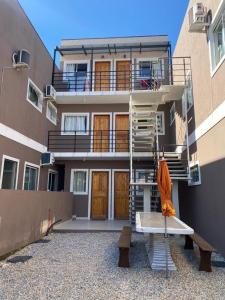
x=99 y=196
x=123 y=79
x=101 y=133
x=122 y=133
x=102 y=76
x=121 y=195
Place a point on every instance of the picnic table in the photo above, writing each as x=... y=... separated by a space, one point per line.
x=157 y=246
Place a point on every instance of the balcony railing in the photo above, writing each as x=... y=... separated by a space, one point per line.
x=134 y=77
x=89 y=141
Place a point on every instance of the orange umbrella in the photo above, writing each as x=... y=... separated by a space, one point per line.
x=164 y=186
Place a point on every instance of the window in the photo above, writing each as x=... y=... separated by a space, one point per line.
x=172 y=113
x=51 y=112
x=195 y=174
x=160 y=122
x=34 y=95
x=52 y=181
x=75 y=123
x=76 y=75
x=79 y=182
x=9 y=175
x=151 y=69
x=31 y=174
x=143 y=176
x=217 y=38
x=187 y=99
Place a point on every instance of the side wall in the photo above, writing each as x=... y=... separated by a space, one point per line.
x=24 y=216
x=203 y=206
x=17 y=115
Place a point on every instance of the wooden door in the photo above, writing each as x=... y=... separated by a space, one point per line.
x=121 y=195
x=101 y=134
x=102 y=76
x=122 y=133
x=123 y=75
x=99 y=195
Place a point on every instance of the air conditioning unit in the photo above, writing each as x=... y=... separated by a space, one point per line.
x=47 y=159
x=50 y=92
x=21 y=59
x=198 y=18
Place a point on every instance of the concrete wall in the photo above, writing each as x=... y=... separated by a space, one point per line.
x=17 y=32
x=203 y=206
x=24 y=216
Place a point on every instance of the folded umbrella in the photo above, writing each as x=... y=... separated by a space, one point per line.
x=165 y=187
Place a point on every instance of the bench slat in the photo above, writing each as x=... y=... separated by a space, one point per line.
x=205 y=246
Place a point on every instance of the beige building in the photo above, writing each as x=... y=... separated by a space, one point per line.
x=113 y=108
x=202 y=204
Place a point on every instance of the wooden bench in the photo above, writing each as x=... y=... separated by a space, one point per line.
x=124 y=245
x=205 y=250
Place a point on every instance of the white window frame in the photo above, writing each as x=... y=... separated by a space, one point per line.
x=4 y=157
x=72 y=178
x=192 y=164
x=34 y=166
x=76 y=115
x=38 y=91
x=172 y=113
x=53 y=172
x=68 y=62
x=213 y=66
x=49 y=103
x=163 y=122
x=151 y=59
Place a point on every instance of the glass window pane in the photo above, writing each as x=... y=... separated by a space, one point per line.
x=79 y=182
x=219 y=40
x=33 y=96
x=145 y=68
x=52 y=181
x=30 y=180
x=75 y=123
x=9 y=174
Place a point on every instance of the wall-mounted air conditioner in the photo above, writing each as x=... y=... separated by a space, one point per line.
x=198 y=18
x=21 y=59
x=50 y=92
x=47 y=159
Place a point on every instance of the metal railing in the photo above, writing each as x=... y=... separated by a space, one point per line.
x=89 y=141
x=136 y=77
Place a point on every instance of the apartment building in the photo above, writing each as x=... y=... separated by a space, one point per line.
x=114 y=99
x=202 y=202
x=26 y=115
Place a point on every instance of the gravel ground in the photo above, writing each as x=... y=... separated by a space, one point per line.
x=84 y=266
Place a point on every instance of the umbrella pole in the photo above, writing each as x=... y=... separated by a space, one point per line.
x=166 y=241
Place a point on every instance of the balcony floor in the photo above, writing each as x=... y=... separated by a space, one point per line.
x=164 y=94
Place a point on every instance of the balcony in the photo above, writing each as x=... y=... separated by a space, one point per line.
x=165 y=78
x=93 y=143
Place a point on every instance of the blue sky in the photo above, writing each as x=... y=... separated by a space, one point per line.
x=57 y=19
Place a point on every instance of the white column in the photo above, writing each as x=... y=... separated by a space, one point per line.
x=147 y=198
x=175 y=198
